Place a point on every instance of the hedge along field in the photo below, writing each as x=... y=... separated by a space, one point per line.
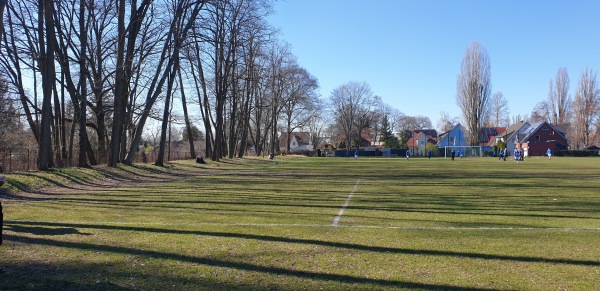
x=255 y=224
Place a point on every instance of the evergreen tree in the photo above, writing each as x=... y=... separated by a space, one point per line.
x=385 y=129
x=386 y=136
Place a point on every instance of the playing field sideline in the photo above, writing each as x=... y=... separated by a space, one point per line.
x=311 y=223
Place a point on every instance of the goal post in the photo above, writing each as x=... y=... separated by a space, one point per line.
x=466 y=151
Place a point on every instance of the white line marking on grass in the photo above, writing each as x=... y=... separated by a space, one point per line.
x=336 y=220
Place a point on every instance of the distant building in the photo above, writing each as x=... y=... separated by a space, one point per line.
x=365 y=141
x=299 y=141
x=457 y=136
x=488 y=137
x=541 y=136
x=418 y=143
x=514 y=134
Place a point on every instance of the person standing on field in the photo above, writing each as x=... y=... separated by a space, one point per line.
x=549 y=153
x=522 y=154
x=407 y=155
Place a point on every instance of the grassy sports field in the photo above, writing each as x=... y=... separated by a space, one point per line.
x=307 y=223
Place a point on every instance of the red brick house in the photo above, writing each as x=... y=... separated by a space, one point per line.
x=541 y=136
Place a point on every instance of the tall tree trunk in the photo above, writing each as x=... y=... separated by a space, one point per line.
x=245 y=122
x=188 y=125
x=120 y=88
x=48 y=80
x=83 y=139
x=123 y=76
x=203 y=101
x=163 y=133
x=257 y=137
x=220 y=95
x=63 y=125
x=2 y=6
x=56 y=128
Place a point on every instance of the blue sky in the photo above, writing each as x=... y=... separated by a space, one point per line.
x=410 y=52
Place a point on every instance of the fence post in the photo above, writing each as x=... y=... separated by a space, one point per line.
x=1 y=222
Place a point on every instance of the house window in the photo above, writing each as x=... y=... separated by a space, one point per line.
x=544 y=128
x=538 y=138
x=451 y=140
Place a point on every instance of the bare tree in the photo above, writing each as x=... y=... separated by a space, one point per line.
x=126 y=45
x=278 y=59
x=101 y=42
x=519 y=118
x=351 y=103
x=9 y=118
x=499 y=110
x=394 y=115
x=414 y=122
x=180 y=24
x=186 y=117
x=2 y=6
x=317 y=126
x=20 y=53
x=559 y=102
x=540 y=112
x=445 y=122
x=299 y=101
x=586 y=107
x=47 y=40
x=473 y=89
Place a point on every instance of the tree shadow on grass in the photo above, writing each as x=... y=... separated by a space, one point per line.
x=235 y=265
x=37 y=230
x=322 y=243
x=27 y=188
x=89 y=276
x=23 y=281
x=414 y=206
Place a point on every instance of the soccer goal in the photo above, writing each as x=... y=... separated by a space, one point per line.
x=465 y=151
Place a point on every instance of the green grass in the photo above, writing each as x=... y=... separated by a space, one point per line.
x=479 y=224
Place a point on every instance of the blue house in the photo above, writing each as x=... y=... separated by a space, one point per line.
x=454 y=137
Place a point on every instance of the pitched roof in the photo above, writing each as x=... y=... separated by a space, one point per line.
x=412 y=142
x=302 y=138
x=527 y=134
x=429 y=139
x=487 y=135
x=428 y=132
x=458 y=126
x=515 y=127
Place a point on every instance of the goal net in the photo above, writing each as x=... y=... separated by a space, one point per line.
x=465 y=151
